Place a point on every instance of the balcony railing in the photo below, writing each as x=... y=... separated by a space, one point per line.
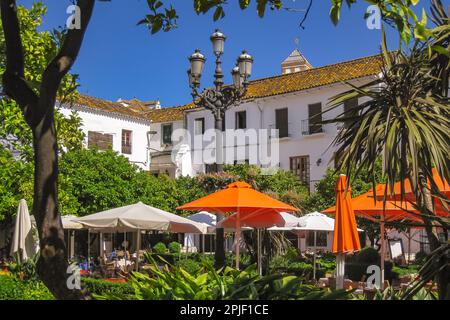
x=287 y=131
x=310 y=128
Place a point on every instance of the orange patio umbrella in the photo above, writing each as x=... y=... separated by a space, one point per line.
x=346 y=238
x=442 y=185
x=242 y=199
x=368 y=207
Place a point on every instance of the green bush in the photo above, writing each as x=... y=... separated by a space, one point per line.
x=12 y=288
x=190 y=266
x=368 y=255
x=159 y=248
x=25 y=270
x=174 y=247
x=174 y=283
x=100 y=287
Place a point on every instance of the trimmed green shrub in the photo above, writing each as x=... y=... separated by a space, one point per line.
x=159 y=248
x=14 y=289
x=368 y=255
x=174 y=247
x=190 y=266
x=100 y=287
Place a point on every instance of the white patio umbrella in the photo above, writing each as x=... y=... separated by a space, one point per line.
x=69 y=223
x=23 y=243
x=317 y=221
x=205 y=218
x=140 y=216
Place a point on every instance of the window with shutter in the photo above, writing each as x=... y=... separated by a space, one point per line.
x=241 y=120
x=315 y=118
x=100 y=141
x=199 y=126
x=167 y=133
x=350 y=110
x=281 y=122
x=126 y=141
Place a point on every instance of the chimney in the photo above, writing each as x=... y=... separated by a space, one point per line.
x=140 y=106
x=294 y=63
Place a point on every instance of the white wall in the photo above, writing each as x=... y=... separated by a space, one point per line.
x=109 y=123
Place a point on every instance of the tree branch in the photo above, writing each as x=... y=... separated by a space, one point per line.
x=14 y=82
x=66 y=57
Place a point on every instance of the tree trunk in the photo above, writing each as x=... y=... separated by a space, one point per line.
x=38 y=111
x=52 y=265
x=425 y=203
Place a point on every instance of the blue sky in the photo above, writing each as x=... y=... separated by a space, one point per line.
x=122 y=60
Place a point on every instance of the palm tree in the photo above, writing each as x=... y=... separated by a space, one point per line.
x=404 y=115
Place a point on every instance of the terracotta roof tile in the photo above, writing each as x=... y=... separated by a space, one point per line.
x=314 y=77
x=106 y=105
x=260 y=88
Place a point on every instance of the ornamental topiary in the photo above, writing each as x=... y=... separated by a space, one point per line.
x=174 y=247
x=159 y=248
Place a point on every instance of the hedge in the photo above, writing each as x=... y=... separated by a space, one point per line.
x=14 y=289
x=101 y=287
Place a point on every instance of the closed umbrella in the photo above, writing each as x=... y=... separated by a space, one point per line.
x=346 y=239
x=23 y=244
x=242 y=199
x=315 y=222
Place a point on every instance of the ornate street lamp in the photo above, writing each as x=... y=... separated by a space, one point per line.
x=218 y=99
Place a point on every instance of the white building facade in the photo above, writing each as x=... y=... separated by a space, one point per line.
x=277 y=126
x=292 y=105
x=109 y=125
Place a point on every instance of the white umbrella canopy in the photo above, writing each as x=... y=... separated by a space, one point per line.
x=206 y=218
x=291 y=222
x=23 y=242
x=69 y=223
x=140 y=216
x=317 y=221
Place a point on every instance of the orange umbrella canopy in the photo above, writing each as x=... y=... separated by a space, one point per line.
x=346 y=238
x=366 y=206
x=442 y=185
x=238 y=196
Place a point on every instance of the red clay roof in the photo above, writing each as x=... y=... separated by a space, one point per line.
x=260 y=88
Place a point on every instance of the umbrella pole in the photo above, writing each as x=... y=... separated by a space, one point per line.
x=409 y=245
x=138 y=247
x=340 y=270
x=68 y=244
x=382 y=253
x=238 y=238
x=204 y=244
x=125 y=244
x=258 y=243
x=89 y=249
x=314 y=256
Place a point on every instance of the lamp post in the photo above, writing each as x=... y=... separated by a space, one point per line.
x=218 y=99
